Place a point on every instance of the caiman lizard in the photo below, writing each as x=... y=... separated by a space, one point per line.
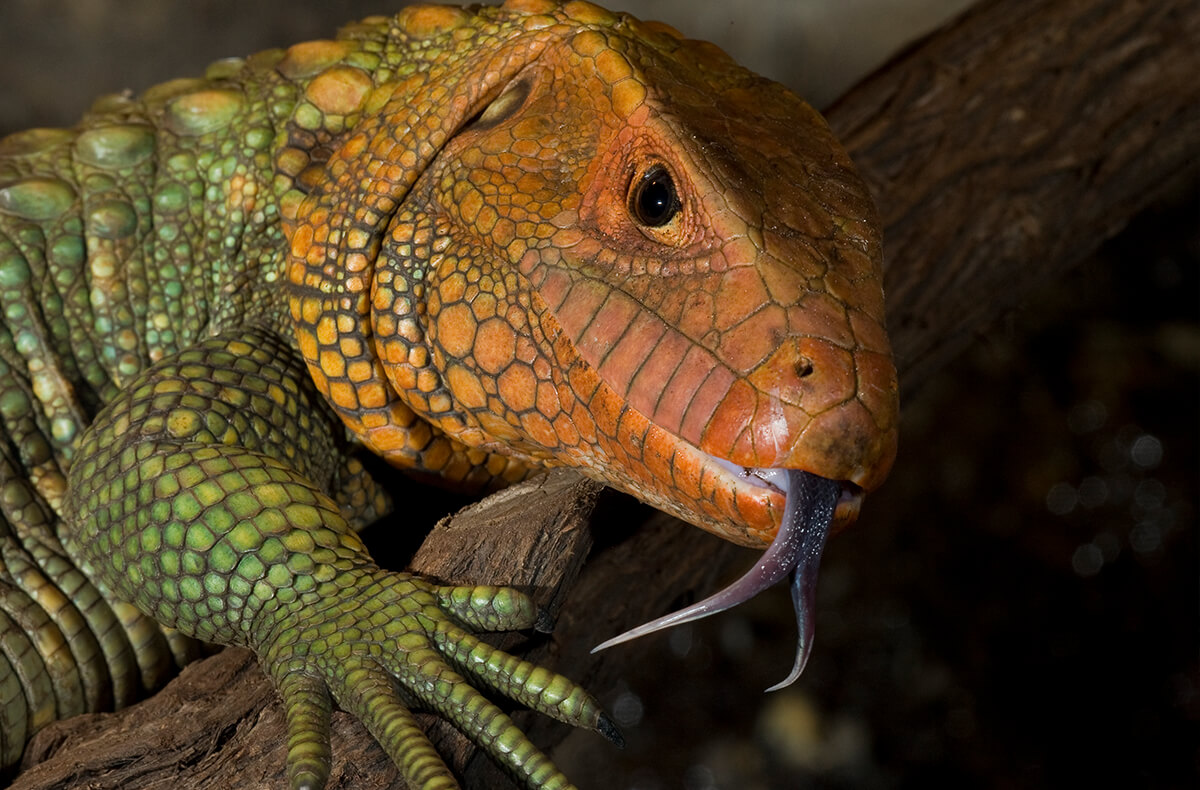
x=473 y=241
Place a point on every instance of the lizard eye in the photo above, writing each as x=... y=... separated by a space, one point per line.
x=653 y=200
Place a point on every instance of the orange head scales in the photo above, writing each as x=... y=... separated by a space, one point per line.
x=588 y=241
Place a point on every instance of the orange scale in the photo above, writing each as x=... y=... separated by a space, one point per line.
x=627 y=357
x=606 y=413
x=333 y=363
x=518 y=387
x=581 y=420
x=685 y=474
x=403 y=377
x=632 y=429
x=456 y=329
x=343 y=395
x=744 y=450
x=688 y=375
x=437 y=455
x=392 y=353
x=657 y=454
x=876 y=385
x=517 y=247
x=427 y=380
x=497 y=428
x=527 y=351
x=539 y=429
x=823 y=316
x=584 y=383
x=773 y=428
x=761 y=519
x=466 y=387
x=548 y=399
x=709 y=484
x=554 y=288
x=606 y=328
x=388 y=438
x=724 y=499
x=315 y=255
x=326 y=332
x=702 y=410
x=565 y=428
x=664 y=403
x=752 y=340
x=373 y=420
x=319 y=380
x=350 y=347
x=373 y=394
x=739 y=294
x=419 y=434
x=440 y=403
x=504 y=232
x=831 y=382
x=418 y=356
x=495 y=345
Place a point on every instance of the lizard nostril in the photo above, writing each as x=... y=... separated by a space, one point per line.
x=804 y=367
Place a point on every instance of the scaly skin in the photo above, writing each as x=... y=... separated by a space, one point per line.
x=481 y=241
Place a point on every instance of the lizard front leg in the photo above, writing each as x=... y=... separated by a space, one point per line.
x=201 y=496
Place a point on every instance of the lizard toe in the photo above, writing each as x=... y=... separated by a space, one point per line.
x=488 y=608
x=307 y=706
x=526 y=683
x=456 y=700
x=369 y=692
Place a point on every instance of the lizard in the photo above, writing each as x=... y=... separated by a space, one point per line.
x=475 y=242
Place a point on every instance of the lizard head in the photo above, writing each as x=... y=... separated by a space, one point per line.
x=630 y=255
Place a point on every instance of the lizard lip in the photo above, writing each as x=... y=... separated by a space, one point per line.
x=775 y=480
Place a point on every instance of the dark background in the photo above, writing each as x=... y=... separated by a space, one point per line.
x=1016 y=608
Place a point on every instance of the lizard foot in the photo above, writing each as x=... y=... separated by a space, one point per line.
x=385 y=643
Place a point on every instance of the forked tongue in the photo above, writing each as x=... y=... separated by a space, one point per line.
x=796 y=550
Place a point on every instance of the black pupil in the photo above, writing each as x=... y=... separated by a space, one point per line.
x=654 y=201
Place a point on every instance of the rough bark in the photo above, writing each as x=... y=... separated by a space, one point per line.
x=1001 y=151
x=1005 y=148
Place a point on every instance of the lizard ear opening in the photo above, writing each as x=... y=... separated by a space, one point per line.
x=504 y=106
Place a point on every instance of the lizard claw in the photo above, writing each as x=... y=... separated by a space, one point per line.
x=389 y=641
x=795 y=552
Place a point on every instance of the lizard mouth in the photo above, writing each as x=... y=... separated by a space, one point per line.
x=813 y=507
x=776 y=480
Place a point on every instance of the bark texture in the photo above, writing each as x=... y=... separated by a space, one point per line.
x=1006 y=147
x=1001 y=151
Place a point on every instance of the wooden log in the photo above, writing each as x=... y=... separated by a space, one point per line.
x=1001 y=151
